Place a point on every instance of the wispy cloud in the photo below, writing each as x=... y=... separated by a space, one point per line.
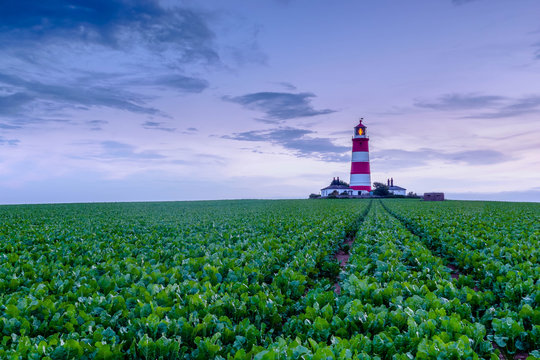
x=13 y=103
x=59 y=96
x=190 y=131
x=9 y=126
x=96 y=125
x=114 y=150
x=483 y=106
x=461 y=102
x=518 y=107
x=287 y=85
x=155 y=125
x=9 y=142
x=173 y=81
x=279 y=106
x=396 y=158
x=298 y=141
x=461 y=2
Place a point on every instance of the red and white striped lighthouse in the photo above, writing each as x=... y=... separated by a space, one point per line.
x=360 y=173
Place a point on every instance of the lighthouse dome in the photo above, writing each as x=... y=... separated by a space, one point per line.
x=360 y=130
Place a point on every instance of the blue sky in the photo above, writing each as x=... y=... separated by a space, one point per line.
x=183 y=100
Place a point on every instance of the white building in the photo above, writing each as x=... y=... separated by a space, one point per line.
x=395 y=190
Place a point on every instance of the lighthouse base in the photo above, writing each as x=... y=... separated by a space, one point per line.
x=364 y=188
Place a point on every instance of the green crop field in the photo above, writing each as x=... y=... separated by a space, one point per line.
x=257 y=280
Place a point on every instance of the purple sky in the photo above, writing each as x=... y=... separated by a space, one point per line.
x=139 y=100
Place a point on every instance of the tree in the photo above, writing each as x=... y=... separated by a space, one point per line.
x=338 y=181
x=380 y=189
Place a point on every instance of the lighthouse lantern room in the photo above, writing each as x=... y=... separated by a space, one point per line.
x=360 y=172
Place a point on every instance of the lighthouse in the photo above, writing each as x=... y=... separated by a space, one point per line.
x=360 y=173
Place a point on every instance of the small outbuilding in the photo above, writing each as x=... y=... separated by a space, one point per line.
x=434 y=196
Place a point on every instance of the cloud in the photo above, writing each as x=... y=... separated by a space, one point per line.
x=174 y=81
x=73 y=95
x=9 y=127
x=523 y=106
x=476 y=157
x=279 y=106
x=297 y=140
x=154 y=125
x=461 y=102
x=96 y=125
x=190 y=131
x=113 y=23
x=20 y=122
x=492 y=106
x=120 y=151
x=461 y=2
x=396 y=158
x=9 y=142
x=280 y=135
x=83 y=93
x=13 y=103
x=287 y=85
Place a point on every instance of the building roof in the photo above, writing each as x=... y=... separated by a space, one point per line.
x=396 y=188
x=337 y=187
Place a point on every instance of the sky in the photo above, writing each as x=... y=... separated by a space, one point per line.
x=118 y=100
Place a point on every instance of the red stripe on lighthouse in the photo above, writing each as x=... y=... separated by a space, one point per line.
x=359 y=168
x=360 y=145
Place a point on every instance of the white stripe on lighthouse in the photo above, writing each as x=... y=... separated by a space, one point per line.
x=360 y=180
x=360 y=156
